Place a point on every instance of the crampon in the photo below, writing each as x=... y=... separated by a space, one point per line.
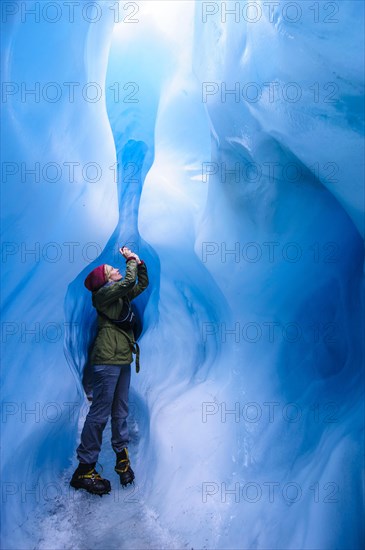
x=123 y=468
x=86 y=477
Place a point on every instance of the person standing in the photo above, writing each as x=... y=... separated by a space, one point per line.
x=111 y=359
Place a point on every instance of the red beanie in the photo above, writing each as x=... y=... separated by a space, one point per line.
x=96 y=279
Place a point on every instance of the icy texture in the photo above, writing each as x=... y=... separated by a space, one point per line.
x=164 y=205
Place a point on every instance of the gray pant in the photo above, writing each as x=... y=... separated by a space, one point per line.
x=110 y=397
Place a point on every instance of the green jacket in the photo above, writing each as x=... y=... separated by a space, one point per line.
x=111 y=346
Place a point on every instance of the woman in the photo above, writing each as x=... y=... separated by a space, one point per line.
x=111 y=359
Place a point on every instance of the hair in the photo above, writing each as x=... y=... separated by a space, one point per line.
x=107 y=271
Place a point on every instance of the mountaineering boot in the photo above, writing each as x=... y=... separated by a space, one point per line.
x=123 y=467
x=86 y=477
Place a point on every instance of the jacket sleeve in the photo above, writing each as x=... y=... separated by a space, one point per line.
x=142 y=284
x=109 y=294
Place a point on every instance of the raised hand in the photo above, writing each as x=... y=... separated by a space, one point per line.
x=135 y=256
x=127 y=253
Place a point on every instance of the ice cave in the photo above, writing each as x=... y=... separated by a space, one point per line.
x=224 y=143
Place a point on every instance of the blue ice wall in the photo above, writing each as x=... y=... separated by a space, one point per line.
x=227 y=148
x=50 y=218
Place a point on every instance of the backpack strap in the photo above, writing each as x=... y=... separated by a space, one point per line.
x=134 y=347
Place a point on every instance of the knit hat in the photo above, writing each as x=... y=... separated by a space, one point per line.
x=96 y=279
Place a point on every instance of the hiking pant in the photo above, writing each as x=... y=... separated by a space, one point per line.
x=110 y=397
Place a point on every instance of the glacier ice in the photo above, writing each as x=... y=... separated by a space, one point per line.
x=247 y=416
